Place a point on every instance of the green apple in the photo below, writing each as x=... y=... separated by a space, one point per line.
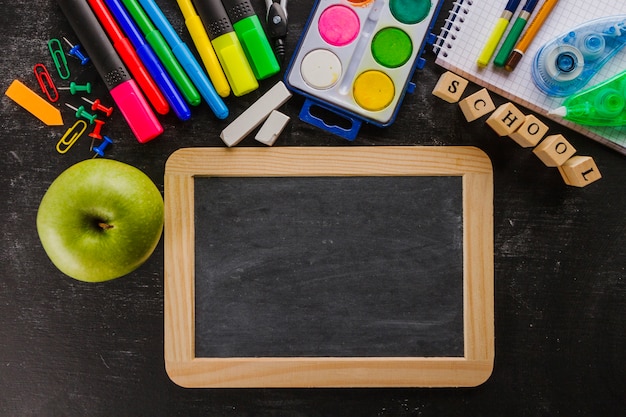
x=100 y=219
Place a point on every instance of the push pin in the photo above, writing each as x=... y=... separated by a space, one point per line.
x=96 y=130
x=75 y=88
x=80 y=112
x=76 y=51
x=97 y=105
x=99 y=150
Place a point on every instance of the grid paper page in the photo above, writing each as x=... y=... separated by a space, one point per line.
x=470 y=31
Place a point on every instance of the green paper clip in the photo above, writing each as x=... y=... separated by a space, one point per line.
x=58 y=56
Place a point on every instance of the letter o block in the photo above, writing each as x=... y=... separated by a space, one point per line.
x=554 y=150
x=477 y=105
x=450 y=87
x=580 y=171
x=530 y=132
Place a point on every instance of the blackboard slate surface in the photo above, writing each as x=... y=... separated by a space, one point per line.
x=396 y=243
x=329 y=266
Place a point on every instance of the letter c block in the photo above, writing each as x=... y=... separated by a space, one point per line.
x=477 y=105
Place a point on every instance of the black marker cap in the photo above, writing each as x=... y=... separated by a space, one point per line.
x=214 y=17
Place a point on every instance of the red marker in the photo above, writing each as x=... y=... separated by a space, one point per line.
x=124 y=48
x=123 y=89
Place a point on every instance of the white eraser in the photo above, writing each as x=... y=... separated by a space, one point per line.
x=272 y=128
x=254 y=115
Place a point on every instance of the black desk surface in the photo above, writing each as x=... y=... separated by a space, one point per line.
x=69 y=348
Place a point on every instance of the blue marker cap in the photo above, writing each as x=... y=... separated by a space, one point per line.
x=150 y=60
x=186 y=59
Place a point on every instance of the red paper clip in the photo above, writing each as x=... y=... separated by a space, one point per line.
x=45 y=82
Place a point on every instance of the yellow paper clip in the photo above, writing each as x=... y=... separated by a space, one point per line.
x=58 y=56
x=45 y=82
x=68 y=140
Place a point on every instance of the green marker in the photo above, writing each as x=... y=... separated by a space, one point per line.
x=163 y=51
x=516 y=31
x=497 y=32
x=253 y=40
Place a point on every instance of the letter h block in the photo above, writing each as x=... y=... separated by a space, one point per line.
x=506 y=119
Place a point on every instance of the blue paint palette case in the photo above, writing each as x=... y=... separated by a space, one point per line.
x=356 y=59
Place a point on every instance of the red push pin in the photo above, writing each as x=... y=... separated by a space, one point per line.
x=96 y=130
x=97 y=105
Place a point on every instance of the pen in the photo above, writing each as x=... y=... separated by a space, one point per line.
x=124 y=90
x=514 y=33
x=227 y=47
x=497 y=32
x=129 y=57
x=150 y=60
x=521 y=47
x=204 y=47
x=163 y=51
x=252 y=37
x=186 y=59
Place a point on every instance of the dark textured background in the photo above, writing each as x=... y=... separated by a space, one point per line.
x=69 y=348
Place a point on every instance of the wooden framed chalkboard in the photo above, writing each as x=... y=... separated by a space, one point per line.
x=329 y=267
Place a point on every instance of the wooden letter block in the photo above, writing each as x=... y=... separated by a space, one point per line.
x=450 y=87
x=580 y=171
x=554 y=150
x=506 y=119
x=530 y=132
x=477 y=105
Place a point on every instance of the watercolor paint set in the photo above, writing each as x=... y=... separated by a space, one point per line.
x=355 y=60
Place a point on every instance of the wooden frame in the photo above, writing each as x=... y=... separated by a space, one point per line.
x=472 y=369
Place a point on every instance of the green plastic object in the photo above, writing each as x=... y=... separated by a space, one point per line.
x=257 y=48
x=601 y=105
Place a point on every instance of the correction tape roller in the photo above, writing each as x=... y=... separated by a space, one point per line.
x=565 y=64
x=601 y=105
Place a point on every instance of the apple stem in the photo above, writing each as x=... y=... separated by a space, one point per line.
x=105 y=226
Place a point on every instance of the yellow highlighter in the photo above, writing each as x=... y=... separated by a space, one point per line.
x=204 y=47
x=497 y=32
x=36 y=105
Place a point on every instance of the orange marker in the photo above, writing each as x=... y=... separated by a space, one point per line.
x=36 y=105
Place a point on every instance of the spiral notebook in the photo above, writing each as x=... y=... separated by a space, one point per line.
x=470 y=23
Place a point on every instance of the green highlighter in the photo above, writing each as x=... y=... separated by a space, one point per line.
x=252 y=37
x=163 y=51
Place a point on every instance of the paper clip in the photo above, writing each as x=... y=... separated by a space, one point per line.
x=58 y=56
x=45 y=82
x=71 y=136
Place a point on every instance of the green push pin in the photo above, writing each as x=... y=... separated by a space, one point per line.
x=75 y=88
x=80 y=112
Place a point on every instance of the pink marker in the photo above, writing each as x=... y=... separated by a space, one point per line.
x=125 y=92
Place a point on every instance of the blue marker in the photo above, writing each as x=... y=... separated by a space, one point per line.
x=150 y=60
x=186 y=59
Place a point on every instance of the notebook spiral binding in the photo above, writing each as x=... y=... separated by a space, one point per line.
x=452 y=25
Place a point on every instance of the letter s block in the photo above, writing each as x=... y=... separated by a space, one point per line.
x=477 y=105
x=580 y=171
x=506 y=119
x=554 y=150
x=450 y=87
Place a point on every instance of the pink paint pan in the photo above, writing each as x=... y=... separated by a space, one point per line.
x=355 y=60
